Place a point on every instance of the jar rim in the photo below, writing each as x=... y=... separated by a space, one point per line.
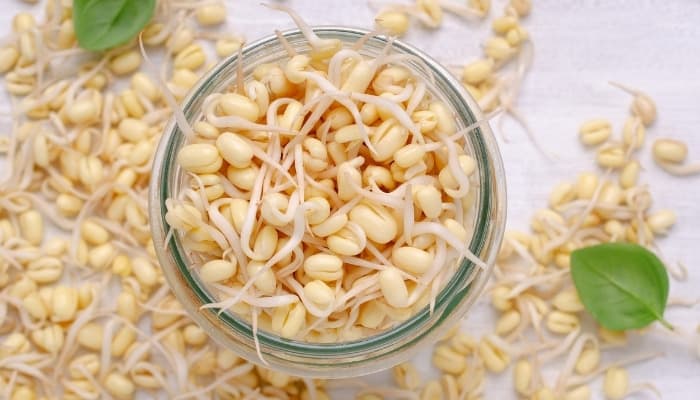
x=314 y=359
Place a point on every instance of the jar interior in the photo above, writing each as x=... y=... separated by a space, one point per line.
x=486 y=209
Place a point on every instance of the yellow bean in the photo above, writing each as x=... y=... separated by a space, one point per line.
x=406 y=376
x=31 y=226
x=320 y=293
x=14 y=343
x=568 y=301
x=35 y=306
x=265 y=243
x=432 y=9
x=8 y=58
x=121 y=341
x=55 y=247
x=586 y=185
x=68 y=205
x=119 y=386
x=294 y=68
x=191 y=57
x=238 y=105
x=227 y=46
x=125 y=63
x=595 y=132
x=315 y=155
x=288 y=320
x=425 y=120
x=348 y=177
x=218 y=270
x=544 y=393
x=184 y=78
x=161 y=320
x=91 y=170
x=143 y=377
x=376 y=221
x=243 y=178
x=445 y=118
x=87 y=362
x=49 y=339
x=612 y=156
x=522 y=376
x=66 y=35
x=236 y=151
x=448 y=360
x=64 y=304
x=331 y=225
x=90 y=336
x=23 y=22
x=83 y=111
x=392 y=22
x=644 y=108
x=411 y=259
x=127 y=306
x=133 y=130
x=132 y=104
x=629 y=174
x=325 y=267
x=194 y=335
x=371 y=315
x=344 y=242
x=498 y=48
x=661 y=221
x=209 y=15
x=429 y=200
x=393 y=287
x=45 y=269
x=144 y=271
x=562 y=194
x=456 y=229
x=588 y=360
x=369 y=114
x=611 y=194
x=669 y=150
x=516 y=36
x=521 y=7
x=359 y=78
x=266 y=281
x=387 y=139
x=320 y=212
x=495 y=359
x=507 y=322
x=561 y=322
x=94 y=233
x=616 y=383
x=22 y=287
x=180 y=39
x=200 y=158
x=478 y=71
x=143 y=85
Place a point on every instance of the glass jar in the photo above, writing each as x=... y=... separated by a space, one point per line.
x=374 y=353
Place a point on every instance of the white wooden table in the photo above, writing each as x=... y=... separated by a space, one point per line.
x=579 y=45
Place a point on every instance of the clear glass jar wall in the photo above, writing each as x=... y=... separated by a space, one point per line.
x=345 y=359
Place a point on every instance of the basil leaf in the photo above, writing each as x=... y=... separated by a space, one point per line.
x=624 y=286
x=103 y=24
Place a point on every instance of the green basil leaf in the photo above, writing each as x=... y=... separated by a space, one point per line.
x=624 y=286
x=103 y=24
